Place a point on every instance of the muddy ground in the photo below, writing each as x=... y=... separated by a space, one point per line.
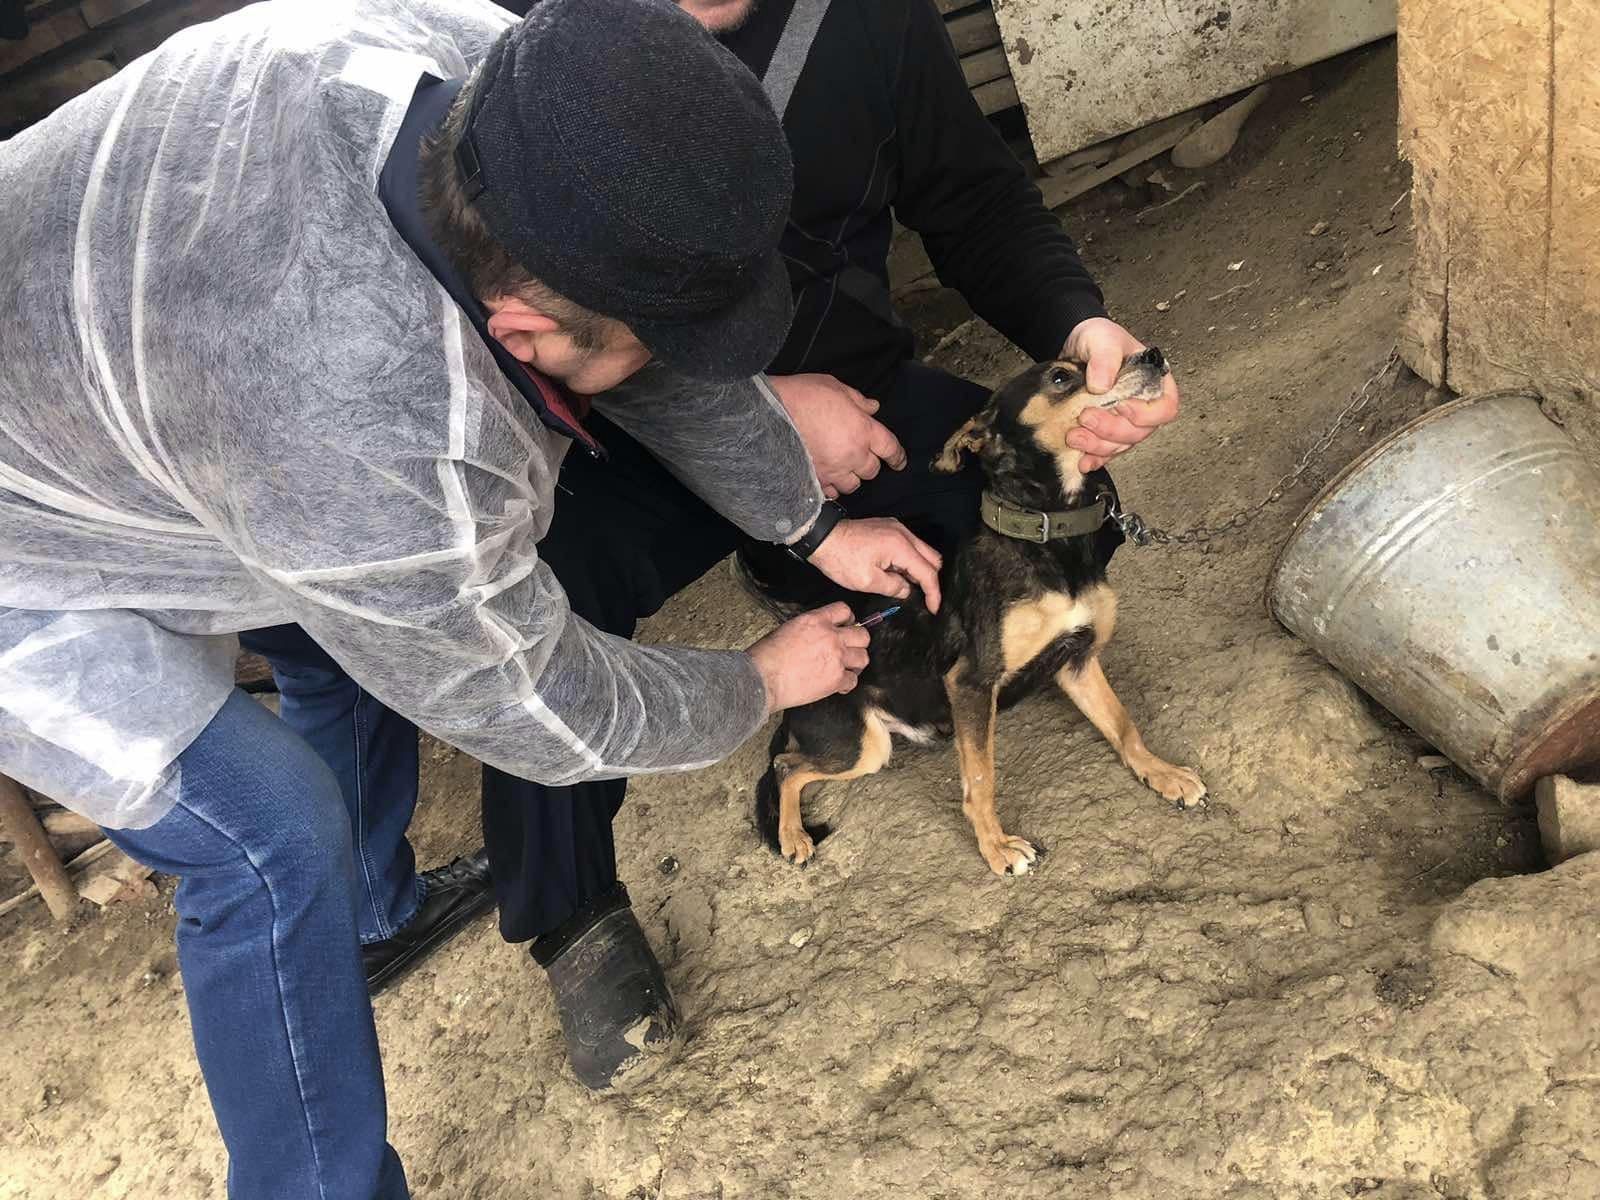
x=1297 y=992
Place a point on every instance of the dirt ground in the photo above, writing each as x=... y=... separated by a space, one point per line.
x=1296 y=993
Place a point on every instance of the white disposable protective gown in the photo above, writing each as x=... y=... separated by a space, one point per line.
x=232 y=397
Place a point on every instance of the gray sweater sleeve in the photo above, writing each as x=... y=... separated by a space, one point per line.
x=411 y=557
x=733 y=445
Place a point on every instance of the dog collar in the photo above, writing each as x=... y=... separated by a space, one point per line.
x=1031 y=525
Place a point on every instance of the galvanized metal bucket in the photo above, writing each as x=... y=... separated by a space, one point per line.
x=1453 y=572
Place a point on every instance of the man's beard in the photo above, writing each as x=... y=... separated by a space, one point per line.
x=738 y=24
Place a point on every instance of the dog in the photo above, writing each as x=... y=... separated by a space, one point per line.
x=1025 y=602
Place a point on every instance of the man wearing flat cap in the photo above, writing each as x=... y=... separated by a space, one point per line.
x=305 y=312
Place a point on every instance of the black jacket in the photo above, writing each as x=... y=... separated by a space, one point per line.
x=881 y=122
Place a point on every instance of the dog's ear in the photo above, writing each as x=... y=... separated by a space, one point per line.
x=970 y=438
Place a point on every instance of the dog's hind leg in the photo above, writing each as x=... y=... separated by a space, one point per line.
x=795 y=770
x=1090 y=690
x=973 y=707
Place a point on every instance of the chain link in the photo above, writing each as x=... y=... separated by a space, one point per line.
x=1140 y=533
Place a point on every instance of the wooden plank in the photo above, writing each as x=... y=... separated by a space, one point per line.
x=41 y=10
x=64 y=824
x=1058 y=189
x=974 y=31
x=49 y=34
x=59 y=823
x=133 y=38
x=996 y=96
x=100 y=12
x=33 y=95
x=985 y=66
x=116 y=877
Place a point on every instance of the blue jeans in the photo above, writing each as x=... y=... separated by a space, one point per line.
x=268 y=945
x=373 y=753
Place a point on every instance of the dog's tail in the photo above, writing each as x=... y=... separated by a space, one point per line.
x=767 y=796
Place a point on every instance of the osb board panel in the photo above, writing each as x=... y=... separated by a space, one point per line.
x=1425 y=130
x=1572 y=295
x=1089 y=69
x=1500 y=115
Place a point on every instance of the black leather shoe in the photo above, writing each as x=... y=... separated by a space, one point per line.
x=451 y=897
x=619 y=1018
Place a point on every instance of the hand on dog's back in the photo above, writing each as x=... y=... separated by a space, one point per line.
x=815 y=655
x=881 y=557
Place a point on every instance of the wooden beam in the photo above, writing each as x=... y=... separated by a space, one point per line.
x=1500 y=117
x=94 y=852
x=36 y=852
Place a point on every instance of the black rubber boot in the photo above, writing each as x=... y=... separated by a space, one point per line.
x=620 y=1022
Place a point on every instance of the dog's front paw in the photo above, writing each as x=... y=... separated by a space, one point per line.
x=1179 y=784
x=796 y=845
x=1008 y=855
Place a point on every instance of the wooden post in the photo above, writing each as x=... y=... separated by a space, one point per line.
x=38 y=855
x=1500 y=117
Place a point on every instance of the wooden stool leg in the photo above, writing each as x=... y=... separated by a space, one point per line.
x=38 y=855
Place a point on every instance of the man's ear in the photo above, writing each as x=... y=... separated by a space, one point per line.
x=969 y=438
x=514 y=325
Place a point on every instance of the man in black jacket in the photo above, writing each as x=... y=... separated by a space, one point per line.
x=881 y=126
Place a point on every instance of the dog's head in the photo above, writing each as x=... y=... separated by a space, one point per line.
x=1021 y=433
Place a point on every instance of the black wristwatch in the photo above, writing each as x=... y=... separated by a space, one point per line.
x=829 y=516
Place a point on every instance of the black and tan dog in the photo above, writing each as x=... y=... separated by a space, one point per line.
x=1025 y=602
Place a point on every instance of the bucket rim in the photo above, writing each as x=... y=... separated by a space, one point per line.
x=1379 y=448
x=1522 y=772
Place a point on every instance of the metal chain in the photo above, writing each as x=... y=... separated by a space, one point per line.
x=1141 y=533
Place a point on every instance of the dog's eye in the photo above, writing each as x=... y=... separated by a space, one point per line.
x=1058 y=377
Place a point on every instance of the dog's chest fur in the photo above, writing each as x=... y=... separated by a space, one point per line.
x=1014 y=614
x=1029 y=627
x=1017 y=612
